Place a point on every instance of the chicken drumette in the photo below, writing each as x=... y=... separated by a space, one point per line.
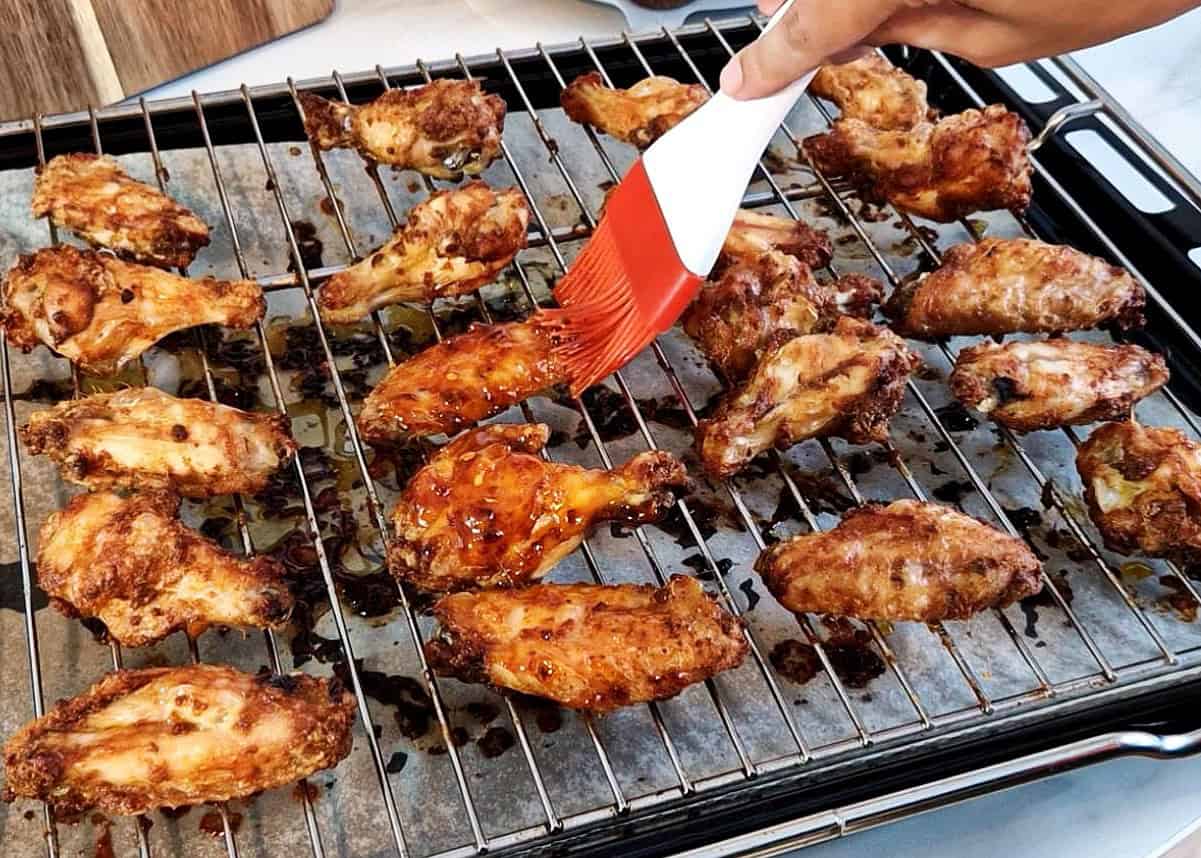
x=102 y=312
x=95 y=198
x=587 y=646
x=487 y=511
x=444 y=129
x=639 y=115
x=873 y=90
x=905 y=561
x=755 y=233
x=450 y=244
x=1008 y=286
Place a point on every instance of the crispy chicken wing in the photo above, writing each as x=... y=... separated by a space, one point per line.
x=844 y=384
x=1007 y=286
x=755 y=233
x=973 y=161
x=1143 y=487
x=450 y=244
x=102 y=312
x=587 y=646
x=639 y=115
x=143 y=439
x=133 y=565
x=444 y=129
x=460 y=381
x=1042 y=385
x=904 y=561
x=874 y=90
x=170 y=736
x=95 y=198
x=487 y=511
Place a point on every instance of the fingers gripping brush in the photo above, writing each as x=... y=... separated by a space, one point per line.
x=661 y=232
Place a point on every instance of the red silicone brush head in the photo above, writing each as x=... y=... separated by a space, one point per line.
x=627 y=286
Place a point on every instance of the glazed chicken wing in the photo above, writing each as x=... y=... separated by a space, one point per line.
x=639 y=115
x=875 y=91
x=971 y=162
x=142 y=438
x=94 y=197
x=755 y=233
x=130 y=563
x=102 y=312
x=444 y=129
x=487 y=511
x=170 y=736
x=1143 y=488
x=587 y=646
x=452 y=243
x=845 y=384
x=1008 y=286
x=904 y=561
x=1042 y=385
x=460 y=381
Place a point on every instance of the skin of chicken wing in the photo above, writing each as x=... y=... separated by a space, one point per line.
x=586 y=646
x=130 y=563
x=755 y=233
x=143 y=439
x=170 y=736
x=487 y=511
x=639 y=115
x=1009 y=286
x=1058 y=382
x=1143 y=488
x=905 y=561
x=844 y=384
x=92 y=196
x=452 y=243
x=971 y=162
x=102 y=312
x=444 y=129
x=460 y=381
x=875 y=91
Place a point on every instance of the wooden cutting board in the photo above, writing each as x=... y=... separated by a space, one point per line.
x=58 y=55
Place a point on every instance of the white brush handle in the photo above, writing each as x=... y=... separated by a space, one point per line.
x=699 y=170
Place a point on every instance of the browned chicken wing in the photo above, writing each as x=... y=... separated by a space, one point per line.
x=844 y=384
x=170 y=736
x=1042 y=385
x=904 y=561
x=755 y=233
x=444 y=129
x=639 y=115
x=143 y=438
x=587 y=646
x=130 y=563
x=874 y=90
x=450 y=244
x=971 y=162
x=460 y=381
x=1143 y=487
x=487 y=511
x=102 y=312
x=1013 y=285
x=95 y=198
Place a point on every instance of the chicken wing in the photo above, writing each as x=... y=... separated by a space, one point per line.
x=587 y=646
x=461 y=381
x=755 y=233
x=973 y=161
x=102 y=312
x=1007 y=286
x=95 y=198
x=1042 y=385
x=143 y=438
x=1143 y=488
x=452 y=243
x=875 y=91
x=444 y=129
x=130 y=563
x=844 y=384
x=904 y=561
x=171 y=736
x=487 y=511
x=639 y=115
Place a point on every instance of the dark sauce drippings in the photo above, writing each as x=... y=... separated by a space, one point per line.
x=953 y=491
x=414 y=709
x=956 y=418
x=854 y=661
x=495 y=741
x=311 y=247
x=211 y=824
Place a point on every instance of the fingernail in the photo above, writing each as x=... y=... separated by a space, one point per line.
x=731 y=76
